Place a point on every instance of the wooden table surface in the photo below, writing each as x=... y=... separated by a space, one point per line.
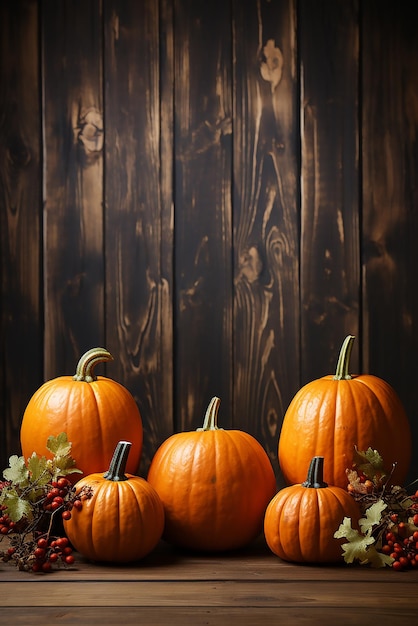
x=174 y=587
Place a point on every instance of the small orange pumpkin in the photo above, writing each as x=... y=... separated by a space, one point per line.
x=122 y=521
x=332 y=415
x=301 y=520
x=215 y=485
x=94 y=412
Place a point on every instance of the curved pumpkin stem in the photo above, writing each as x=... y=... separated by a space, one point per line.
x=117 y=467
x=211 y=416
x=315 y=478
x=87 y=363
x=341 y=372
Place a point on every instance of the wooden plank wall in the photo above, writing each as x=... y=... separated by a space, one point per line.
x=216 y=192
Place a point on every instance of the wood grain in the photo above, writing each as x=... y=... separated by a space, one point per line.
x=175 y=587
x=390 y=219
x=21 y=325
x=330 y=237
x=138 y=213
x=206 y=593
x=209 y=616
x=266 y=252
x=73 y=180
x=217 y=192
x=202 y=238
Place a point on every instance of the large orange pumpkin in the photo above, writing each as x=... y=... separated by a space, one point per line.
x=332 y=415
x=94 y=412
x=215 y=485
x=122 y=521
x=301 y=520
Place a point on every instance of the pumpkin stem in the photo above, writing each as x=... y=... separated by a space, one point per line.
x=211 y=416
x=341 y=372
x=116 y=471
x=315 y=478
x=87 y=363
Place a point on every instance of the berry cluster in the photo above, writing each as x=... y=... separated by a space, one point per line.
x=396 y=531
x=40 y=555
x=37 y=544
x=61 y=496
x=400 y=540
x=6 y=524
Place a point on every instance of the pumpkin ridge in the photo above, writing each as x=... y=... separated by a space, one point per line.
x=91 y=527
x=348 y=428
x=295 y=514
x=86 y=427
x=195 y=446
x=239 y=466
x=325 y=518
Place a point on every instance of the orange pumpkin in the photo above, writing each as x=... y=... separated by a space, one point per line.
x=301 y=520
x=94 y=412
x=215 y=485
x=332 y=415
x=124 y=518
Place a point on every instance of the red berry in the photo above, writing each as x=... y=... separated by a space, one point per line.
x=63 y=483
x=66 y=515
x=46 y=567
x=42 y=543
x=404 y=561
x=69 y=559
x=397 y=566
x=62 y=542
x=39 y=553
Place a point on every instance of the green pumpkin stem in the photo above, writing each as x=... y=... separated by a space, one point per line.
x=87 y=363
x=211 y=416
x=341 y=372
x=315 y=478
x=117 y=467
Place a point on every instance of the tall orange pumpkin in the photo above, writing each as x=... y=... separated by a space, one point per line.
x=94 y=412
x=331 y=415
x=215 y=485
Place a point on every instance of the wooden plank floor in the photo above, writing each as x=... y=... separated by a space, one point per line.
x=174 y=587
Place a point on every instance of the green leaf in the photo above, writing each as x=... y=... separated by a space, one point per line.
x=360 y=546
x=65 y=465
x=373 y=516
x=345 y=530
x=38 y=469
x=18 y=507
x=17 y=472
x=377 y=559
x=59 y=445
x=357 y=547
x=370 y=463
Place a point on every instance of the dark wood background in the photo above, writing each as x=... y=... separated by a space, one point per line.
x=217 y=192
